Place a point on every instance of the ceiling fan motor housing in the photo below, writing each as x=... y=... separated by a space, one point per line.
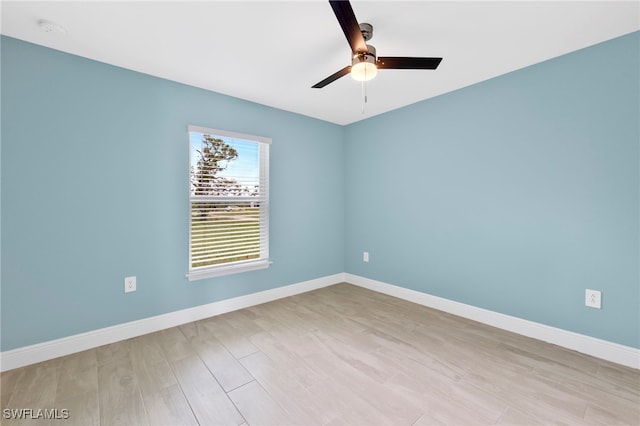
x=368 y=56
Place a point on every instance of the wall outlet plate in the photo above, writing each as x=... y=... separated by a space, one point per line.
x=129 y=284
x=365 y=256
x=593 y=298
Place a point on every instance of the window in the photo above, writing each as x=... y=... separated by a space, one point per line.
x=229 y=202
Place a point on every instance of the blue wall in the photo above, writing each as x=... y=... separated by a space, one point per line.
x=514 y=195
x=94 y=188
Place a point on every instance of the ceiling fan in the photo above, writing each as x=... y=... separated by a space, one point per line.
x=364 y=64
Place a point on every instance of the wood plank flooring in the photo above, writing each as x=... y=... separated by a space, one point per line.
x=341 y=355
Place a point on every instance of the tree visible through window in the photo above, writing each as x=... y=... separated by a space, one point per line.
x=228 y=202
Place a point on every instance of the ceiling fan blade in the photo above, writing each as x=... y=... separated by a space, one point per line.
x=407 y=63
x=349 y=25
x=333 y=77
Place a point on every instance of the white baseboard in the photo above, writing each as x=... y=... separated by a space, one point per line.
x=32 y=354
x=602 y=349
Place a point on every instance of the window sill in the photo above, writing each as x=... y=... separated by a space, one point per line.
x=219 y=271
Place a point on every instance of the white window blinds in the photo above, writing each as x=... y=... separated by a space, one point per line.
x=229 y=202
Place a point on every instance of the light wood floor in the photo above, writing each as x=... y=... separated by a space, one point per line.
x=340 y=355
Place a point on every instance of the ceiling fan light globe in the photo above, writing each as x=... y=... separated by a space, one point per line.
x=364 y=71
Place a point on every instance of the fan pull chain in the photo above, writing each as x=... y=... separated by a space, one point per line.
x=364 y=95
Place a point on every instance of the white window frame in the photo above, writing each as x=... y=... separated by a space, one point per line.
x=203 y=272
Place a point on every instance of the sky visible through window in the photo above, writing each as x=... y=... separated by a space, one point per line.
x=244 y=169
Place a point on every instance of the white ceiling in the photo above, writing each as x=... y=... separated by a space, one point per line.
x=273 y=52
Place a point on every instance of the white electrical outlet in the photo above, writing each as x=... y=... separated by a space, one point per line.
x=365 y=256
x=593 y=299
x=129 y=284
